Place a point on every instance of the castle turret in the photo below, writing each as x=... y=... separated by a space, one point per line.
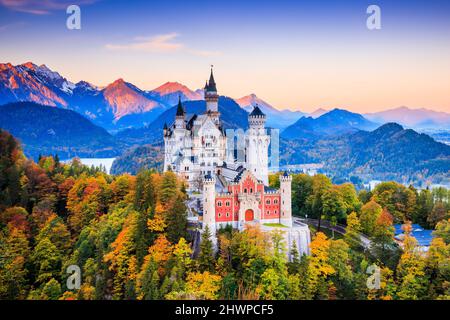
x=211 y=96
x=180 y=116
x=286 y=205
x=257 y=146
x=209 y=207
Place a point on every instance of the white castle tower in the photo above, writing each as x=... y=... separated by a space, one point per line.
x=257 y=146
x=212 y=98
x=286 y=206
x=209 y=203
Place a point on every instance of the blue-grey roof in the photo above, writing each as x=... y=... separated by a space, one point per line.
x=257 y=112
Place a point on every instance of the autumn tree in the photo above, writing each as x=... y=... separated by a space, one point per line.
x=438 y=213
x=352 y=232
x=320 y=189
x=319 y=268
x=411 y=270
x=383 y=246
x=443 y=230
x=368 y=217
x=397 y=199
x=14 y=253
x=121 y=260
x=274 y=283
x=88 y=198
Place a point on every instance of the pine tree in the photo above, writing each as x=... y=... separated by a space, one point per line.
x=176 y=220
x=168 y=187
x=294 y=264
x=148 y=281
x=206 y=257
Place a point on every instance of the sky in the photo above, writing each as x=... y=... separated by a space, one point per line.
x=298 y=55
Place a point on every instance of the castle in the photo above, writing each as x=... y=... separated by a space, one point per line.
x=234 y=189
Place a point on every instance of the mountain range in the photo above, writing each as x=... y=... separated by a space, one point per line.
x=122 y=105
x=388 y=153
x=275 y=118
x=81 y=119
x=335 y=122
x=413 y=118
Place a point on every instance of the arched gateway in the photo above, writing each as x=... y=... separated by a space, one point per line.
x=249 y=215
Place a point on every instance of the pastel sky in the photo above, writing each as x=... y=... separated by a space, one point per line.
x=294 y=54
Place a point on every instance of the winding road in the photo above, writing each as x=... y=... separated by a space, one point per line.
x=365 y=241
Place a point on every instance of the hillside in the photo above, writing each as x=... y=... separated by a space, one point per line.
x=138 y=158
x=335 y=122
x=48 y=130
x=389 y=152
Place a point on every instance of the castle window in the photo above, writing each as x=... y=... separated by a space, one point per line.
x=268 y=212
x=219 y=215
x=268 y=201
x=228 y=214
x=245 y=190
x=251 y=190
x=275 y=212
x=227 y=203
x=219 y=203
x=275 y=201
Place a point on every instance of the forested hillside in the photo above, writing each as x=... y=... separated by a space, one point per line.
x=387 y=153
x=129 y=236
x=50 y=130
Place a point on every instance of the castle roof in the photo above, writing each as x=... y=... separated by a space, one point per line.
x=257 y=112
x=211 y=85
x=180 y=110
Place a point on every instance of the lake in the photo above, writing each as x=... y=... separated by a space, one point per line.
x=423 y=236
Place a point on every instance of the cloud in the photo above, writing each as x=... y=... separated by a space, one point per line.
x=159 y=43
x=164 y=43
x=41 y=7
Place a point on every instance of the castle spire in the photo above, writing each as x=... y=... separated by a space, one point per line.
x=180 y=110
x=212 y=83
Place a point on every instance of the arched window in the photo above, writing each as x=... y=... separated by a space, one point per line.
x=219 y=203
x=227 y=203
x=245 y=190
x=251 y=190
x=268 y=201
x=275 y=201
